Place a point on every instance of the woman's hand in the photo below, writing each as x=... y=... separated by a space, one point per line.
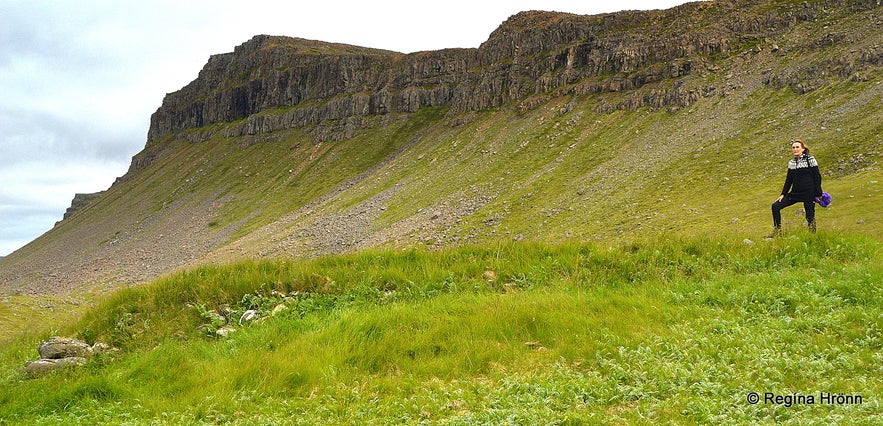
x=780 y=198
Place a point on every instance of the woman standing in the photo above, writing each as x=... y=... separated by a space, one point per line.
x=802 y=184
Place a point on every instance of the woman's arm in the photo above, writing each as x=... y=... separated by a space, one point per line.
x=816 y=180
x=789 y=179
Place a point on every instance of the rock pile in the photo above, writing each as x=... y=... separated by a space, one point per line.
x=222 y=322
x=61 y=352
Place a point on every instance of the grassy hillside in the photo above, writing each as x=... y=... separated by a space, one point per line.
x=655 y=331
x=555 y=167
x=556 y=173
x=563 y=259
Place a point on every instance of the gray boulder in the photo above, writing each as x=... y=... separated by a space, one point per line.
x=61 y=352
x=43 y=366
x=62 y=347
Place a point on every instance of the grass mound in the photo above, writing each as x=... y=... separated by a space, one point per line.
x=523 y=333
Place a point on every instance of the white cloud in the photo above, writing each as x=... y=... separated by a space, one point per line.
x=35 y=194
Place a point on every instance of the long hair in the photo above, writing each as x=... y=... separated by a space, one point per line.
x=805 y=148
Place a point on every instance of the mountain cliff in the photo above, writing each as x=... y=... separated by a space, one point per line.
x=531 y=53
x=559 y=126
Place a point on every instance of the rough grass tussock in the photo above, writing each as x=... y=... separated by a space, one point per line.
x=674 y=330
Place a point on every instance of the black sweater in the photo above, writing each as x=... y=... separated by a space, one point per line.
x=804 y=182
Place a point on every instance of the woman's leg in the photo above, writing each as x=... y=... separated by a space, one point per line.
x=810 y=208
x=777 y=210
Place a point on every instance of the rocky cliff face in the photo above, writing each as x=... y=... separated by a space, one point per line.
x=268 y=72
x=532 y=53
x=80 y=201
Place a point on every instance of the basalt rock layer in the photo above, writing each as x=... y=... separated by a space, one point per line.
x=531 y=53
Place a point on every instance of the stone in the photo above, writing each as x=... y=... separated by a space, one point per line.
x=249 y=316
x=216 y=317
x=225 y=331
x=279 y=308
x=62 y=347
x=100 y=348
x=226 y=312
x=62 y=352
x=44 y=366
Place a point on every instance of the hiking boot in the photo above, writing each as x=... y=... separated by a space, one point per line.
x=812 y=227
x=777 y=232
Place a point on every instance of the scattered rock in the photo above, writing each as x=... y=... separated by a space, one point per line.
x=225 y=331
x=41 y=367
x=216 y=317
x=279 y=308
x=249 y=316
x=226 y=312
x=100 y=348
x=61 y=347
x=62 y=352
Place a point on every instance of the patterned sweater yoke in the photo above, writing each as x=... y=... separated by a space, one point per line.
x=805 y=161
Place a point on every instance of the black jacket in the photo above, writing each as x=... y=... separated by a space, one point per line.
x=804 y=182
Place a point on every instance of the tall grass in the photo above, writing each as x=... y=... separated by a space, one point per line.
x=523 y=333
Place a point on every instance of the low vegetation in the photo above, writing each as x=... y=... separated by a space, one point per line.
x=658 y=331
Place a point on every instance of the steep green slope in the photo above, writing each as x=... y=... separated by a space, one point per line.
x=562 y=171
x=694 y=143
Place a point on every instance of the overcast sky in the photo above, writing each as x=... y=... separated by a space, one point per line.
x=79 y=79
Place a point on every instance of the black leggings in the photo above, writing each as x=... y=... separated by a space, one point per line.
x=808 y=206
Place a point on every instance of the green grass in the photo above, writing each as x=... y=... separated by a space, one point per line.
x=37 y=312
x=654 y=331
